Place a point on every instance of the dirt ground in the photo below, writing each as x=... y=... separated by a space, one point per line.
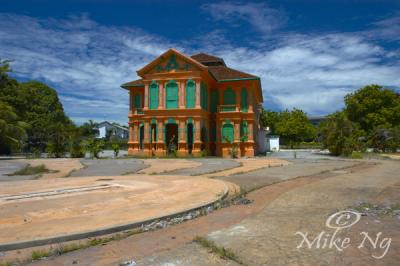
x=298 y=197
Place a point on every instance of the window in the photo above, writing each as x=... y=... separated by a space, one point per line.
x=244 y=131
x=229 y=99
x=243 y=98
x=214 y=101
x=190 y=94
x=137 y=101
x=153 y=95
x=203 y=96
x=227 y=133
x=171 y=95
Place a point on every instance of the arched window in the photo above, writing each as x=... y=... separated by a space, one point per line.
x=229 y=99
x=244 y=131
x=171 y=99
x=153 y=95
x=243 y=98
x=227 y=133
x=190 y=94
x=137 y=103
x=214 y=101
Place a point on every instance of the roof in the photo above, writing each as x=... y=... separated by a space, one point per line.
x=223 y=73
x=208 y=60
x=135 y=83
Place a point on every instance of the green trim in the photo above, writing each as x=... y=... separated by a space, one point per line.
x=238 y=79
x=171 y=121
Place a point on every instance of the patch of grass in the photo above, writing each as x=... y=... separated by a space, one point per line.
x=39 y=254
x=220 y=251
x=32 y=170
x=6 y=263
x=70 y=247
x=356 y=155
x=395 y=206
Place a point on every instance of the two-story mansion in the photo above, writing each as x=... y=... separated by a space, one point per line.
x=193 y=105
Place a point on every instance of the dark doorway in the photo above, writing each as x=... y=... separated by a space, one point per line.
x=153 y=136
x=171 y=137
x=203 y=138
x=141 y=137
x=190 y=137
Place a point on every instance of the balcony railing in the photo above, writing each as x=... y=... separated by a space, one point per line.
x=137 y=111
x=228 y=108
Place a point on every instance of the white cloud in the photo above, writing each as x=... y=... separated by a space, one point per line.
x=258 y=15
x=86 y=62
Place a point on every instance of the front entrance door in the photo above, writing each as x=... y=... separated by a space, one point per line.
x=171 y=137
x=141 y=137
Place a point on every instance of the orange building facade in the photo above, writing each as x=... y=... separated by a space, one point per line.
x=193 y=106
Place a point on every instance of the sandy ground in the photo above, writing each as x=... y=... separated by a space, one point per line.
x=62 y=167
x=157 y=166
x=72 y=205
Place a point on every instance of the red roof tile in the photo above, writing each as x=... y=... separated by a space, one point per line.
x=135 y=83
x=221 y=73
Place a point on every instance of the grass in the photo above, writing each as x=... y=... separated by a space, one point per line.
x=32 y=170
x=39 y=254
x=220 y=251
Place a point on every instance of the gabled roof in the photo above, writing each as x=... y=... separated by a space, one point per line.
x=135 y=83
x=223 y=73
x=170 y=51
x=208 y=60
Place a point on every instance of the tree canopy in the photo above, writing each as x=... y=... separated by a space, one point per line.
x=292 y=126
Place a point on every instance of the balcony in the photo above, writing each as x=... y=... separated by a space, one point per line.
x=228 y=108
x=136 y=111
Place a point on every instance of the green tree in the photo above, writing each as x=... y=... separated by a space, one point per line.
x=339 y=134
x=294 y=127
x=373 y=107
x=12 y=130
x=269 y=119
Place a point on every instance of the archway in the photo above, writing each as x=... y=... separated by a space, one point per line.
x=190 y=137
x=141 y=137
x=171 y=137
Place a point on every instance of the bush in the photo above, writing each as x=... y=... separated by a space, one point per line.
x=356 y=155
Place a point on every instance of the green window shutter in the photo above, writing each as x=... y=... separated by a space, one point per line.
x=153 y=95
x=137 y=100
x=243 y=98
x=229 y=99
x=214 y=101
x=171 y=95
x=227 y=133
x=190 y=94
x=244 y=131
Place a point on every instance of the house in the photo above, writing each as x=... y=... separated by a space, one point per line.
x=192 y=105
x=107 y=129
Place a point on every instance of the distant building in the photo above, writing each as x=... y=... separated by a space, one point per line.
x=272 y=142
x=107 y=129
x=316 y=120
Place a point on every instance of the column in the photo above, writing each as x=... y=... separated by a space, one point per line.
x=250 y=101
x=161 y=95
x=146 y=96
x=198 y=84
x=238 y=92
x=182 y=136
x=160 y=132
x=146 y=132
x=180 y=96
x=250 y=131
x=131 y=132
x=197 y=131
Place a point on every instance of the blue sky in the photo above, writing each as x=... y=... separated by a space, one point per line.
x=309 y=54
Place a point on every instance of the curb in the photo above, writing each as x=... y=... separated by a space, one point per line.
x=104 y=231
